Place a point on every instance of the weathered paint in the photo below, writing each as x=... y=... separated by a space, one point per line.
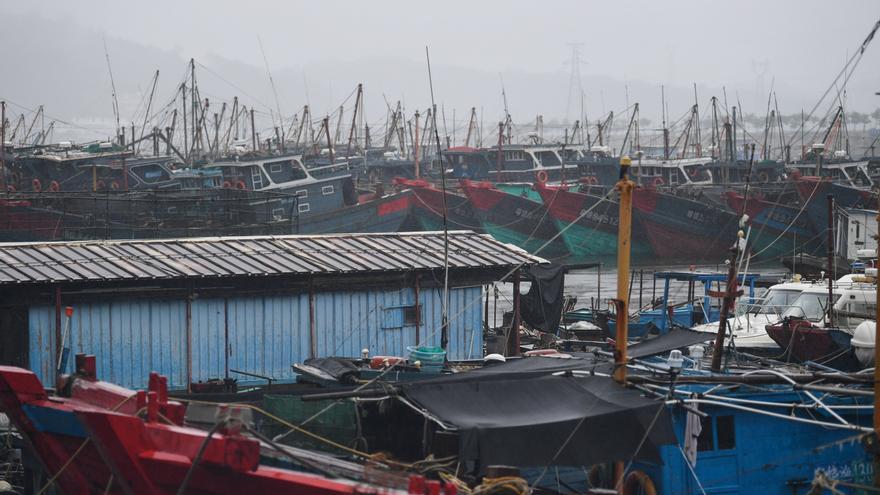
x=129 y=339
x=257 y=334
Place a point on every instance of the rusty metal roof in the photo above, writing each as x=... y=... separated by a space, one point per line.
x=215 y=257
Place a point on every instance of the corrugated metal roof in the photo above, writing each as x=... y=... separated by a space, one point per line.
x=118 y=260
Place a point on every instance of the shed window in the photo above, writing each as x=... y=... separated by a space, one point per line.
x=401 y=316
x=326 y=190
x=302 y=193
x=303 y=207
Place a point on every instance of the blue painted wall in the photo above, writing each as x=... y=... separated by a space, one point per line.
x=257 y=334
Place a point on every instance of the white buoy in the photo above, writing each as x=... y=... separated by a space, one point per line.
x=863 y=342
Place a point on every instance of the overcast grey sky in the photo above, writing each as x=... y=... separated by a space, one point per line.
x=627 y=45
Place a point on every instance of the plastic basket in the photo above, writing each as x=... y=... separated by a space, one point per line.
x=430 y=357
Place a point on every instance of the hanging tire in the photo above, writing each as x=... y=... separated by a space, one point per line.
x=638 y=483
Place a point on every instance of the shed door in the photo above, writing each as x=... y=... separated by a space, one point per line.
x=14 y=336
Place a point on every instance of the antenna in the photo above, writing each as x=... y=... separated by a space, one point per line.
x=272 y=83
x=112 y=86
x=444 y=329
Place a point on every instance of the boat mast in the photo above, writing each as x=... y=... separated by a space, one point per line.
x=444 y=328
x=3 y=145
x=665 y=130
x=352 y=132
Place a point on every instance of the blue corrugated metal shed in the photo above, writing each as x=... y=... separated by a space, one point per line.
x=256 y=334
x=196 y=331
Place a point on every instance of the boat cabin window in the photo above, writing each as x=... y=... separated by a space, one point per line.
x=514 y=155
x=718 y=433
x=547 y=158
x=774 y=302
x=151 y=173
x=810 y=306
x=858 y=176
x=284 y=171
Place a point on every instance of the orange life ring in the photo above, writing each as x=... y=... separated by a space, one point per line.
x=227 y=184
x=593 y=180
x=10 y=188
x=541 y=176
x=240 y=185
x=637 y=482
x=54 y=186
x=100 y=185
x=37 y=185
x=692 y=172
x=658 y=181
x=114 y=185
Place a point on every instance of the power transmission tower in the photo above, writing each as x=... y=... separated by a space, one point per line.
x=575 y=84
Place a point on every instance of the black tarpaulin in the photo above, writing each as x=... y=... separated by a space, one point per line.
x=524 y=417
x=542 y=305
x=339 y=368
x=677 y=338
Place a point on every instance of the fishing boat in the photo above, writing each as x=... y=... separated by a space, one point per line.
x=777 y=230
x=95 y=436
x=428 y=207
x=514 y=219
x=588 y=221
x=683 y=228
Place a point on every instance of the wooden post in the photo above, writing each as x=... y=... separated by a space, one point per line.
x=624 y=230
x=625 y=186
x=57 y=323
x=730 y=294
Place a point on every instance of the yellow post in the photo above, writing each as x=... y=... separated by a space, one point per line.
x=624 y=234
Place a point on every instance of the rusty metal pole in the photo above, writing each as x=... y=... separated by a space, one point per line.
x=730 y=294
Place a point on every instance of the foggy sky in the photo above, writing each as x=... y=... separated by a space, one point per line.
x=327 y=47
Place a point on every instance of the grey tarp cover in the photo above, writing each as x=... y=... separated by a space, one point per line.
x=519 y=414
x=677 y=338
